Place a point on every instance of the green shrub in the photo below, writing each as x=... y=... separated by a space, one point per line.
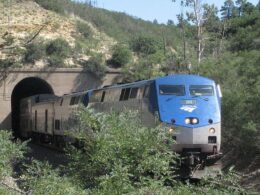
x=123 y=155
x=9 y=40
x=144 y=69
x=58 y=47
x=84 y=29
x=34 y=52
x=53 y=5
x=56 y=61
x=121 y=56
x=5 y=190
x=145 y=44
x=6 y=63
x=240 y=105
x=58 y=50
x=41 y=178
x=120 y=156
x=10 y=153
x=96 y=65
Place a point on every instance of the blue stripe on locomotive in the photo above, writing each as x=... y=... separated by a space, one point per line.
x=170 y=107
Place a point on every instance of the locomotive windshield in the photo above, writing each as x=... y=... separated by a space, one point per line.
x=201 y=90
x=178 y=90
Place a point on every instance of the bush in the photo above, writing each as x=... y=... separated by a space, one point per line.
x=84 y=29
x=41 y=178
x=58 y=47
x=5 y=190
x=10 y=153
x=123 y=155
x=56 y=61
x=34 y=52
x=120 y=156
x=240 y=108
x=53 y=5
x=144 y=69
x=9 y=40
x=6 y=63
x=96 y=65
x=145 y=44
x=121 y=55
x=58 y=50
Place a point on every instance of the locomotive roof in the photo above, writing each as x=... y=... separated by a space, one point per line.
x=181 y=77
x=75 y=94
x=185 y=78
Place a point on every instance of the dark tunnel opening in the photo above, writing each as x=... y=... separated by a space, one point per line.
x=25 y=88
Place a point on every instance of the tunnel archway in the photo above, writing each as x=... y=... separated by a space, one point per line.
x=25 y=88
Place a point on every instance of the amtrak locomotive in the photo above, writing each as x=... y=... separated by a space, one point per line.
x=188 y=105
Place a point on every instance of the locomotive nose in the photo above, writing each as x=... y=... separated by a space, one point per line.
x=197 y=137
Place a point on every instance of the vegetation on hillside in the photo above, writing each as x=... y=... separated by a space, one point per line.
x=237 y=70
x=144 y=38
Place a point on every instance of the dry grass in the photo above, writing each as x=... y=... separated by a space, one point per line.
x=25 y=18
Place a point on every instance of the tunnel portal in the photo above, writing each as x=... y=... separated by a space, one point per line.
x=25 y=88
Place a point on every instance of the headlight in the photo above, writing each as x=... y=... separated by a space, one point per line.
x=194 y=121
x=212 y=130
x=187 y=121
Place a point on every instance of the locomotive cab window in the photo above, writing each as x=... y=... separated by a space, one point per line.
x=178 y=90
x=201 y=90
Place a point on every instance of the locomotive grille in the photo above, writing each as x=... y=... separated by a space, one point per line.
x=212 y=139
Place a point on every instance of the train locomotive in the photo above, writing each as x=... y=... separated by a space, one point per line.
x=189 y=106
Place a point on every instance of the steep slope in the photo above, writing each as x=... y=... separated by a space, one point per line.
x=22 y=21
x=27 y=17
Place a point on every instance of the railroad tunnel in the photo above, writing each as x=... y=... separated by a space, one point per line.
x=25 y=88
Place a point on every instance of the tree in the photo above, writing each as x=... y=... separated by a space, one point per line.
x=170 y=22
x=182 y=26
x=227 y=10
x=197 y=17
x=249 y=8
x=155 y=21
x=241 y=5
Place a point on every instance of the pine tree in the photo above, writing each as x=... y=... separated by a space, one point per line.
x=228 y=9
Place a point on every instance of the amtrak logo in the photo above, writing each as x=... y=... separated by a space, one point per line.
x=188 y=108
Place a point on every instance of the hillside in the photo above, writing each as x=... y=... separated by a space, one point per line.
x=25 y=22
x=27 y=18
x=96 y=38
